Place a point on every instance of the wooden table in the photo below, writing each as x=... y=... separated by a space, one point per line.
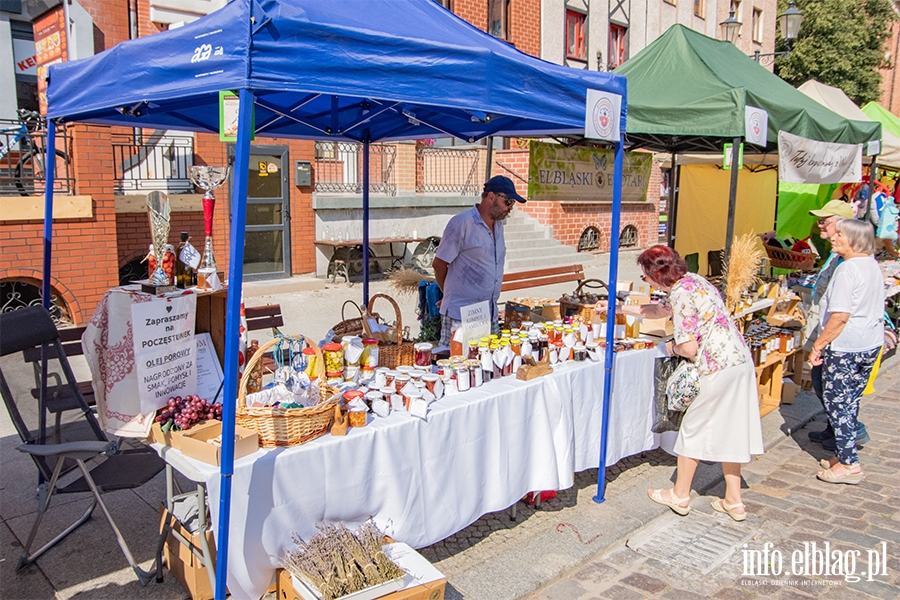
x=344 y=262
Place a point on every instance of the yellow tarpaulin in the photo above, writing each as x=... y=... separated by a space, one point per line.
x=703 y=207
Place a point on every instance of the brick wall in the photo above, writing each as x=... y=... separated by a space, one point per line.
x=524 y=25
x=890 y=83
x=133 y=232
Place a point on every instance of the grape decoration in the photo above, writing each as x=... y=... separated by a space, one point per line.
x=183 y=413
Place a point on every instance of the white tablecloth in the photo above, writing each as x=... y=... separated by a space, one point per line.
x=479 y=452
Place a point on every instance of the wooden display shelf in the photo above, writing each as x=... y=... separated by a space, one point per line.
x=770 y=376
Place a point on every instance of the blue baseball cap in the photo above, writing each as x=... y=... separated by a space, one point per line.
x=503 y=185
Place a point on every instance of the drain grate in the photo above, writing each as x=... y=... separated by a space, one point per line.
x=700 y=542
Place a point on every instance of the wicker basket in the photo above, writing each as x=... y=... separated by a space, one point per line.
x=393 y=353
x=569 y=308
x=788 y=259
x=352 y=326
x=278 y=426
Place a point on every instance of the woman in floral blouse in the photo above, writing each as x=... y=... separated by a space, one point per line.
x=722 y=424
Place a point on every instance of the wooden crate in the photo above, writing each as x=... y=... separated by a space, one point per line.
x=770 y=377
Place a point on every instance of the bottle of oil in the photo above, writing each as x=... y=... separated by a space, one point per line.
x=184 y=273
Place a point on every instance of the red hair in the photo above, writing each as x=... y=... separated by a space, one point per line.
x=662 y=264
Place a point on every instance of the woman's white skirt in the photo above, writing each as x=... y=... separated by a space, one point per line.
x=722 y=424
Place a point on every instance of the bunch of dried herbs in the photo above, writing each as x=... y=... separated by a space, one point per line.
x=337 y=561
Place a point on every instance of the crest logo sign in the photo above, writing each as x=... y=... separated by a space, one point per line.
x=602 y=115
x=756 y=125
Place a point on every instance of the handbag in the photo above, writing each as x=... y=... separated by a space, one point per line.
x=663 y=418
x=683 y=385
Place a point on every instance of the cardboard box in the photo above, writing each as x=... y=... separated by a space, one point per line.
x=623 y=285
x=194 y=442
x=657 y=327
x=184 y=566
x=789 y=391
x=423 y=581
x=170 y=438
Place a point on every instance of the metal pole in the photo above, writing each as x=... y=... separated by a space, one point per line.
x=490 y=157
x=610 y=316
x=672 y=212
x=365 y=223
x=49 y=175
x=732 y=200
x=873 y=176
x=756 y=55
x=232 y=327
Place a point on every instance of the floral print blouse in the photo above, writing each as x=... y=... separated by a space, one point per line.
x=698 y=313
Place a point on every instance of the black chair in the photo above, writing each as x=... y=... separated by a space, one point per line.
x=715 y=263
x=693 y=262
x=78 y=437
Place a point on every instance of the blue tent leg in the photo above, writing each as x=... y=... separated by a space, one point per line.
x=50 y=163
x=610 y=316
x=232 y=327
x=365 y=219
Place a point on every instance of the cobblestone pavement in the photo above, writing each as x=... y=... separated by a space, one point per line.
x=791 y=517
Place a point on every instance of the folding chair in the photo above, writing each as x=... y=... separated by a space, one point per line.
x=715 y=263
x=79 y=438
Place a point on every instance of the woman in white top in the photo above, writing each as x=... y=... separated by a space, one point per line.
x=851 y=333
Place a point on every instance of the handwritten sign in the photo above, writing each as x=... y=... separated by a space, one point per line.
x=584 y=174
x=476 y=322
x=801 y=160
x=164 y=349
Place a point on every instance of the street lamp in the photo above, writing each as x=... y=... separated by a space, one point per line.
x=789 y=21
x=730 y=27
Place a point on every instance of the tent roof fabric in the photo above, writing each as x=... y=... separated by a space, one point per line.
x=836 y=100
x=686 y=91
x=396 y=69
x=889 y=121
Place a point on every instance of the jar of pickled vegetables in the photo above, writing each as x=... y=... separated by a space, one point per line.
x=334 y=360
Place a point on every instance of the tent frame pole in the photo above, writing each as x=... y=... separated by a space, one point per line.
x=365 y=217
x=50 y=174
x=671 y=210
x=610 y=316
x=232 y=335
x=732 y=200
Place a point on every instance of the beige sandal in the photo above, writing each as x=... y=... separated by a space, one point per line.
x=656 y=496
x=719 y=505
x=829 y=476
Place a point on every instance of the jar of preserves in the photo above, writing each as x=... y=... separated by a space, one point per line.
x=369 y=358
x=430 y=381
x=472 y=349
x=580 y=352
x=463 y=381
x=496 y=370
x=516 y=345
x=423 y=354
x=400 y=381
x=334 y=361
x=486 y=360
x=312 y=369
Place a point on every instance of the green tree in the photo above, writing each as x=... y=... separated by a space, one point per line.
x=841 y=43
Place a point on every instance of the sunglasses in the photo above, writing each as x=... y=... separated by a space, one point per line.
x=824 y=222
x=506 y=199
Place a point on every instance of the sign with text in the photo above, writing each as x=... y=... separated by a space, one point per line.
x=581 y=174
x=476 y=322
x=164 y=349
x=50 y=47
x=209 y=371
x=801 y=160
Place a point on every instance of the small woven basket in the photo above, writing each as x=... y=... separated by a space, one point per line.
x=788 y=259
x=352 y=326
x=567 y=308
x=278 y=426
x=392 y=354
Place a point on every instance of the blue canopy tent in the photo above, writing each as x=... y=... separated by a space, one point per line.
x=362 y=71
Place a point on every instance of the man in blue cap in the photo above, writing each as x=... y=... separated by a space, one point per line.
x=468 y=264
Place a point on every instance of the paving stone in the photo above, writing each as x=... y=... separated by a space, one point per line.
x=875 y=588
x=597 y=572
x=814 y=525
x=732 y=593
x=885 y=534
x=779 y=515
x=792 y=594
x=562 y=590
x=617 y=592
x=812 y=513
x=644 y=582
x=845 y=535
x=679 y=594
x=847 y=511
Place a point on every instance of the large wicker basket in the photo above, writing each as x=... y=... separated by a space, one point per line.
x=353 y=325
x=393 y=353
x=287 y=426
x=788 y=259
x=570 y=308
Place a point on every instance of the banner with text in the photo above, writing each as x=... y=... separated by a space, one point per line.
x=801 y=160
x=581 y=174
x=476 y=322
x=164 y=349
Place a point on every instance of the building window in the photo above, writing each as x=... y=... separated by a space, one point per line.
x=700 y=8
x=25 y=65
x=498 y=18
x=590 y=240
x=629 y=237
x=757 y=25
x=575 y=43
x=618 y=48
x=448 y=4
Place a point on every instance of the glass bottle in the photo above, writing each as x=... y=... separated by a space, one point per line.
x=254 y=383
x=184 y=273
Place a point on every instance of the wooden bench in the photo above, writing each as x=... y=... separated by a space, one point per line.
x=539 y=277
x=263 y=317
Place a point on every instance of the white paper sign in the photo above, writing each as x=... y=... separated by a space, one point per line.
x=601 y=116
x=756 y=125
x=164 y=349
x=802 y=160
x=209 y=371
x=476 y=322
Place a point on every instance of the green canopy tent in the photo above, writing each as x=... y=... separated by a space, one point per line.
x=889 y=121
x=687 y=93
